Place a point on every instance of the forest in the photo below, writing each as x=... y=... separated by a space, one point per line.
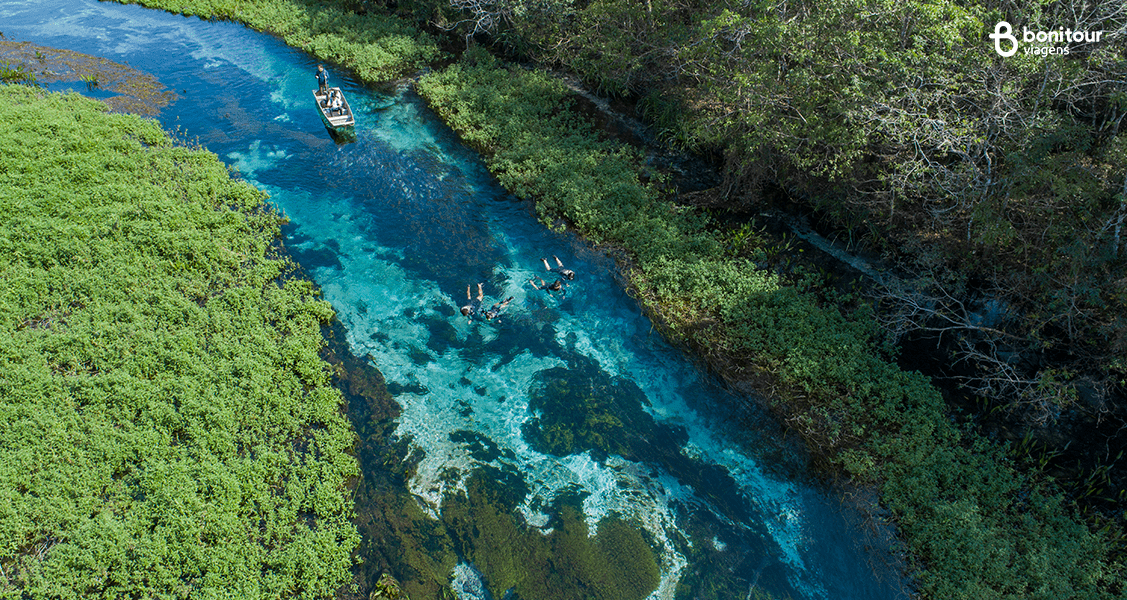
x=986 y=178
x=993 y=188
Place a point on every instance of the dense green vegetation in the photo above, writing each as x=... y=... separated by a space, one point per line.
x=989 y=177
x=377 y=46
x=898 y=123
x=169 y=428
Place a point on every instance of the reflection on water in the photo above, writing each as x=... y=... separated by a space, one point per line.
x=564 y=451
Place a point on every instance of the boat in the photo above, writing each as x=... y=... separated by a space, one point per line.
x=341 y=121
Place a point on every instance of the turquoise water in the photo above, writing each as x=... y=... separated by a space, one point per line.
x=577 y=397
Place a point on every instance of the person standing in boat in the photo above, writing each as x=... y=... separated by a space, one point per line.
x=322 y=82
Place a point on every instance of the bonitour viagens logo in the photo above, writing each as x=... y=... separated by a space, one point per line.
x=1040 y=42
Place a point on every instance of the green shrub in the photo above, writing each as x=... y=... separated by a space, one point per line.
x=169 y=427
x=378 y=47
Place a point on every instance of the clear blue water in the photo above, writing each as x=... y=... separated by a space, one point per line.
x=395 y=226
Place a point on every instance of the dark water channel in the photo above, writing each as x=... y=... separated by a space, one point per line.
x=567 y=449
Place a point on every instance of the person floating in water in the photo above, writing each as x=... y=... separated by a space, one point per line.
x=556 y=286
x=495 y=310
x=474 y=307
x=322 y=82
x=559 y=269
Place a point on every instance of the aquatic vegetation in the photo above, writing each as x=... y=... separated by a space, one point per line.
x=404 y=550
x=16 y=74
x=387 y=588
x=560 y=560
x=563 y=561
x=399 y=538
x=582 y=408
x=170 y=430
x=137 y=92
x=578 y=413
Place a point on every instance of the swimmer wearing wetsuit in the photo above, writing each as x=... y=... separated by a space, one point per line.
x=474 y=307
x=495 y=310
x=556 y=286
x=559 y=269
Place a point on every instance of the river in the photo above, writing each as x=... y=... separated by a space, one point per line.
x=567 y=447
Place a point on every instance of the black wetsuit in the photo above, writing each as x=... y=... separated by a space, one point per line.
x=495 y=310
x=475 y=308
x=562 y=272
x=557 y=286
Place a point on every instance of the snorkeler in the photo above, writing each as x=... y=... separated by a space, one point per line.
x=556 y=286
x=567 y=274
x=474 y=307
x=495 y=310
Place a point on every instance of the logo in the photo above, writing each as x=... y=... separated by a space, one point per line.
x=1003 y=31
x=1047 y=42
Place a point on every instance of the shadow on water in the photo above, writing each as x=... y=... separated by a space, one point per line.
x=341 y=137
x=565 y=451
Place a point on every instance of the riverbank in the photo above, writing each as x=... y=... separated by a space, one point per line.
x=378 y=47
x=958 y=503
x=169 y=425
x=977 y=527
